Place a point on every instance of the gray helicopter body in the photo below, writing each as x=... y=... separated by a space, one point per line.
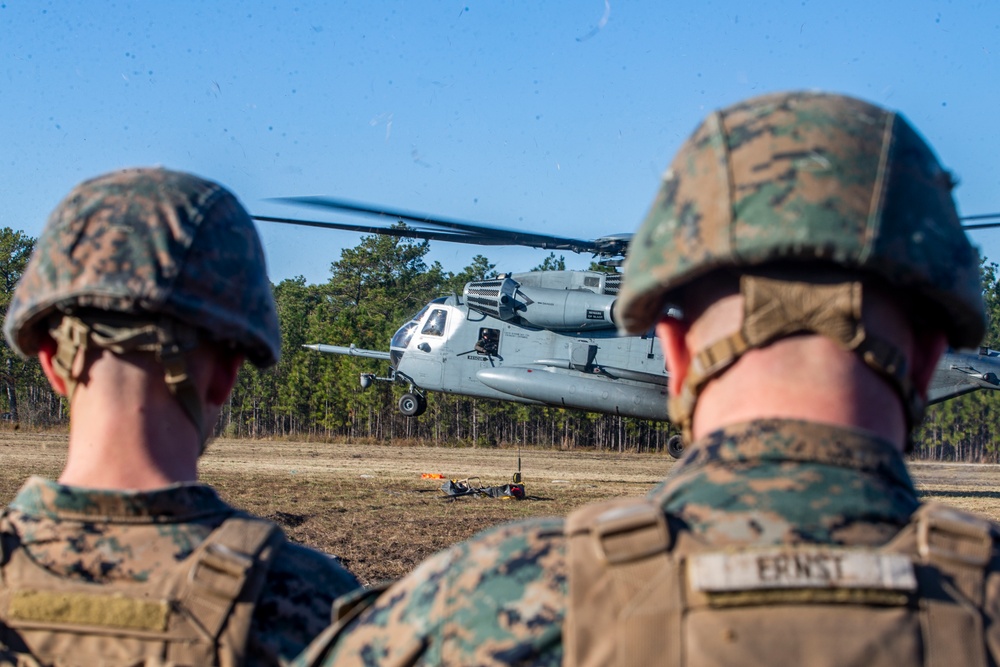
x=963 y=372
x=543 y=338
x=549 y=338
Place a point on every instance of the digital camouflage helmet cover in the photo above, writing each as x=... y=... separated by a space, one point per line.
x=814 y=180
x=146 y=259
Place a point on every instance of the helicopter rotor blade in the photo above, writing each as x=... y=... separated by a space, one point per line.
x=432 y=228
x=982 y=216
x=994 y=217
x=402 y=232
x=464 y=232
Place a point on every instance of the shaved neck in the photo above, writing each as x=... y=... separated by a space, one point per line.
x=807 y=377
x=127 y=431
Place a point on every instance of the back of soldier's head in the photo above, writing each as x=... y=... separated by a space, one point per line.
x=829 y=188
x=147 y=260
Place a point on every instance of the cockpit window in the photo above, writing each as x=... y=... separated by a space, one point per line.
x=403 y=335
x=435 y=323
x=419 y=316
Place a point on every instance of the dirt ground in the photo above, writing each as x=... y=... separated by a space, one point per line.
x=369 y=506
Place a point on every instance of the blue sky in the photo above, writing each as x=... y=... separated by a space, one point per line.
x=557 y=116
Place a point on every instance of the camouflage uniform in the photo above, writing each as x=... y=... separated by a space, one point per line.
x=157 y=262
x=823 y=185
x=120 y=537
x=501 y=597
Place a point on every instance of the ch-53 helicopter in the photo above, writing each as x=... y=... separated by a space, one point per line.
x=547 y=337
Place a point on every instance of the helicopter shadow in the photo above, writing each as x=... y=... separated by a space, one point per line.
x=451 y=499
x=959 y=494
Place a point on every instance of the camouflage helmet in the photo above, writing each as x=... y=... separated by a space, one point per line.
x=150 y=242
x=806 y=177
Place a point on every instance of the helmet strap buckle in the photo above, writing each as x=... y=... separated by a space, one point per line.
x=774 y=308
x=170 y=340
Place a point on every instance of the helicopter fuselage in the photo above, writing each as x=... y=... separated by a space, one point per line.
x=442 y=350
x=549 y=338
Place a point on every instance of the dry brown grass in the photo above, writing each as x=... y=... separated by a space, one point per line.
x=969 y=486
x=368 y=505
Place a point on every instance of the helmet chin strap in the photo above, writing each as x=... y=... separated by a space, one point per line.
x=775 y=309
x=168 y=339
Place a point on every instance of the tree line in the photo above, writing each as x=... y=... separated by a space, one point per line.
x=373 y=288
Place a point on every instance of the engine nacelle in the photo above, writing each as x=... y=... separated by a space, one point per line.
x=558 y=309
x=495 y=297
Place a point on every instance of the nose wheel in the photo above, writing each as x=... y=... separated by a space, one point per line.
x=412 y=405
x=675 y=446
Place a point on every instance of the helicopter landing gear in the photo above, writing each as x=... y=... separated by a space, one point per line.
x=675 y=446
x=412 y=405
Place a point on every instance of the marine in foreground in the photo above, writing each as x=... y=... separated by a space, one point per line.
x=804 y=268
x=146 y=291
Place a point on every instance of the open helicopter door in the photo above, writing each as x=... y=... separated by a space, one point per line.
x=488 y=343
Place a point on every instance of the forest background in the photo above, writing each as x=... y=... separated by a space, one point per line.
x=374 y=288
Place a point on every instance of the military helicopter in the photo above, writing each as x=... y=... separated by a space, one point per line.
x=546 y=337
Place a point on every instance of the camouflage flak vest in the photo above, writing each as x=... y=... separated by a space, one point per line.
x=643 y=594
x=199 y=613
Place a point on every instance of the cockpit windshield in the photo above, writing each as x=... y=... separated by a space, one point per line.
x=403 y=335
x=401 y=339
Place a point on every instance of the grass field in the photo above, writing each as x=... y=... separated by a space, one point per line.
x=368 y=504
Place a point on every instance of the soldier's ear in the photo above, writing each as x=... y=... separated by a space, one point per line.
x=927 y=350
x=672 y=333
x=46 y=351
x=225 y=366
